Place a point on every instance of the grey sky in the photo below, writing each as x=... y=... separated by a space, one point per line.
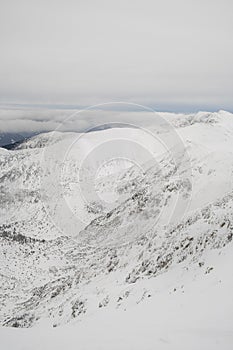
x=162 y=53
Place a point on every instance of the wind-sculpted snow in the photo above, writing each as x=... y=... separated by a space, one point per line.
x=144 y=221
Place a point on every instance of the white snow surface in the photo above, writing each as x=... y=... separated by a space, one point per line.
x=108 y=243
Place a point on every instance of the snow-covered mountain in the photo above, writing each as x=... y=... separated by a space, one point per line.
x=130 y=227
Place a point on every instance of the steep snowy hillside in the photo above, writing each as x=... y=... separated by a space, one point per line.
x=128 y=226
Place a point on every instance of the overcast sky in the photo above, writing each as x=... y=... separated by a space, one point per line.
x=166 y=54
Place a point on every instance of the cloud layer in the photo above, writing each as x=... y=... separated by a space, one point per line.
x=31 y=121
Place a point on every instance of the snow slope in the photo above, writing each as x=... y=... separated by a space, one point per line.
x=178 y=310
x=119 y=239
